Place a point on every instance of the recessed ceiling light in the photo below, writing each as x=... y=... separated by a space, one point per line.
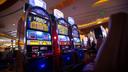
x=14 y=24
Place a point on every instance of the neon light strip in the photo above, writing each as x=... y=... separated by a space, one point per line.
x=97 y=22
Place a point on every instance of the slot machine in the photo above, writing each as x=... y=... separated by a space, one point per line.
x=75 y=36
x=63 y=41
x=35 y=32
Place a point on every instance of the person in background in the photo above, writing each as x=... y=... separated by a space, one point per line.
x=113 y=54
x=90 y=59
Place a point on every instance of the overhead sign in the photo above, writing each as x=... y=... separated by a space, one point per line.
x=71 y=20
x=39 y=3
x=58 y=13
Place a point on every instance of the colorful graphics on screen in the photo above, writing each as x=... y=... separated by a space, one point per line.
x=31 y=34
x=38 y=38
x=37 y=42
x=33 y=42
x=39 y=35
x=76 y=40
x=63 y=38
x=62 y=29
x=75 y=33
x=39 y=23
x=43 y=36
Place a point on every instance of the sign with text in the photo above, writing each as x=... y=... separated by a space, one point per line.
x=39 y=3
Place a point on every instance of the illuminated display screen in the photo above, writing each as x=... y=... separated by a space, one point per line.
x=43 y=36
x=38 y=35
x=63 y=38
x=38 y=38
x=33 y=42
x=77 y=40
x=38 y=3
x=31 y=34
x=62 y=29
x=75 y=33
x=36 y=22
x=37 y=42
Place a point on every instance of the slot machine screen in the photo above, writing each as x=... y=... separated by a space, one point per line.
x=46 y=36
x=39 y=35
x=36 y=22
x=63 y=38
x=62 y=29
x=43 y=36
x=75 y=33
x=31 y=34
x=76 y=40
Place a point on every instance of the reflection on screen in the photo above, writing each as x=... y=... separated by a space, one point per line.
x=62 y=29
x=63 y=38
x=76 y=40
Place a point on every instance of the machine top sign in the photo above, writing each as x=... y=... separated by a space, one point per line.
x=71 y=20
x=39 y=3
x=58 y=13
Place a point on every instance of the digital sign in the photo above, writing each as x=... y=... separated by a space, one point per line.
x=58 y=13
x=77 y=40
x=38 y=38
x=33 y=42
x=63 y=38
x=62 y=29
x=39 y=3
x=71 y=20
x=75 y=33
x=37 y=42
x=39 y=23
x=39 y=35
x=31 y=34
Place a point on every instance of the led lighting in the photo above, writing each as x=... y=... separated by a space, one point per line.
x=39 y=3
x=2 y=1
x=13 y=24
x=71 y=20
x=100 y=2
x=68 y=58
x=93 y=23
x=42 y=65
x=58 y=13
x=39 y=33
x=54 y=37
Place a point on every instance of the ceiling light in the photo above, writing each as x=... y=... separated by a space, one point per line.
x=13 y=24
x=93 y=23
x=2 y=1
x=100 y=2
x=1 y=40
x=99 y=22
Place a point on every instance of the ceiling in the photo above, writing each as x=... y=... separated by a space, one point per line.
x=83 y=11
